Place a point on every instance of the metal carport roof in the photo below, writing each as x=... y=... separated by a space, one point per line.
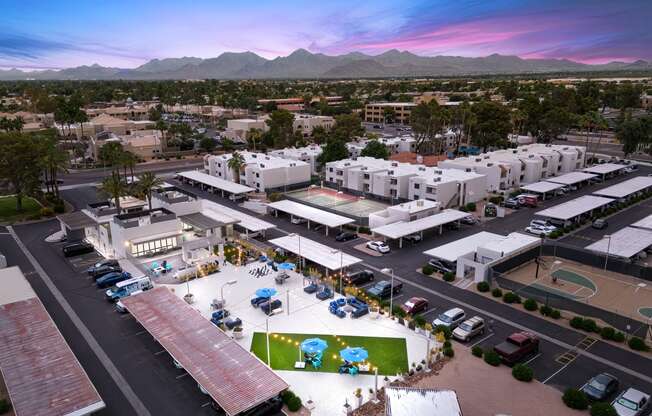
x=201 y=221
x=574 y=207
x=76 y=220
x=542 y=187
x=467 y=245
x=571 y=178
x=222 y=184
x=316 y=252
x=221 y=213
x=311 y=214
x=604 y=168
x=626 y=188
x=625 y=243
x=402 y=228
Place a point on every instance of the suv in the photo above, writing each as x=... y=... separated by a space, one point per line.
x=451 y=318
x=111 y=279
x=98 y=272
x=382 y=289
x=359 y=277
x=415 y=305
x=75 y=249
x=102 y=263
x=379 y=246
x=442 y=266
x=469 y=328
x=512 y=203
x=600 y=224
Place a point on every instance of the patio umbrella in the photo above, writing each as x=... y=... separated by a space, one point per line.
x=286 y=266
x=354 y=355
x=265 y=292
x=154 y=265
x=313 y=345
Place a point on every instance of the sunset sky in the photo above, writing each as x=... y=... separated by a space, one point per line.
x=67 y=33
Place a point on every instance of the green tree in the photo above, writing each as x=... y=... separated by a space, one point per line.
x=492 y=126
x=207 y=144
x=319 y=134
x=111 y=154
x=427 y=120
x=347 y=127
x=54 y=160
x=254 y=136
x=20 y=164
x=375 y=149
x=634 y=134
x=334 y=150
x=115 y=187
x=235 y=164
x=281 y=128
x=147 y=182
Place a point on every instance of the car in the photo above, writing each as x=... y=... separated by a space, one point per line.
x=599 y=224
x=565 y=189
x=111 y=279
x=78 y=248
x=414 y=238
x=100 y=264
x=600 y=387
x=469 y=220
x=451 y=318
x=379 y=246
x=346 y=236
x=415 y=305
x=536 y=230
x=631 y=402
x=517 y=347
x=298 y=220
x=442 y=266
x=359 y=277
x=573 y=187
x=512 y=203
x=596 y=179
x=469 y=328
x=383 y=289
x=218 y=316
x=101 y=271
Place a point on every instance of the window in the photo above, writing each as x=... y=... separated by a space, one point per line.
x=417 y=186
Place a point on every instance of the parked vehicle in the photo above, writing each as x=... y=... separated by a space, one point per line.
x=359 y=277
x=469 y=220
x=540 y=230
x=297 y=220
x=469 y=329
x=442 y=266
x=379 y=246
x=111 y=279
x=600 y=387
x=631 y=402
x=512 y=203
x=127 y=287
x=269 y=307
x=383 y=289
x=218 y=316
x=346 y=236
x=101 y=271
x=517 y=346
x=414 y=238
x=415 y=305
x=528 y=200
x=597 y=179
x=451 y=318
x=78 y=248
x=100 y=264
x=600 y=224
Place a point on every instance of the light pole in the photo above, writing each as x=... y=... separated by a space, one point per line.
x=606 y=259
x=229 y=283
x=341 y=266
x=391 y=289
x=299 y=243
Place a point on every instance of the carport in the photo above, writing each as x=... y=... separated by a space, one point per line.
x=73 y=225
x=572 y=210
x=400 y=229
x=626 y=243
x=248 y=222
x=213 y=184
x=323 y=255
x=572 y=178
x=542 y=188
x=627 y=189
x=644 y=223
x=294 y=209
x=606 y=170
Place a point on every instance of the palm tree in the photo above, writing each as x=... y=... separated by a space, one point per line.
x=147 y=182
x=254 y=136
x=235 y=164
x=115 y=187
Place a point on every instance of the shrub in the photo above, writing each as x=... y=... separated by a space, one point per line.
x=545 y=310
x=511 y=297
x=589 y=325
x=449 y=276
x=59 y=207
x=607 y=332
x=530 y=304
x=287 y=395
x=496 y=199
x=602 y=409
x=275 y=196
x=477 y=351
x=447 y=344
x=448 y=352
x=575 y=399
x=576 y=322
x=638 y=344
x=398 y=311
x=419 y=321
x=619 y=337
x=445 y=329
x=294 y=404
x=492 y=358
x=496 y=293
x=555 y=314
x=5 y=406
x=428 y=269
x=364 y=230
x=470 y=206
x=47 y=212
x=483 y=286
x=522 y=372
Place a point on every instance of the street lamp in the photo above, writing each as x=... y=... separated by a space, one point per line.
x=229 y=283
x=299 y=239
x=606 y=259
x=391 y=289
x=341 y=265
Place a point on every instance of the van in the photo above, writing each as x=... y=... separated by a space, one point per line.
x=127 y=287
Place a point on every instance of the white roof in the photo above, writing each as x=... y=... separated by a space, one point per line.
x=571 y=178
x=218 y=183
x=14 y=286
x=405 y=401
x=624 y=243
x=219 y=212
x=511 y=243
x=644 y=223
x=402 y=228
x=542 y=187
x=467 y=245
x=626 y=188
x=316 y=252
x=574 y=207
x=311 y=214
x=605 y=168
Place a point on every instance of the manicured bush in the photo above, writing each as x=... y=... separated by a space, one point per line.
x=47 y=212
x=445 y=329
x=607 y=332
x=449 y=276
x=545 y=310
x=470 y=206
x=448 y=352
x=497 y=293
x=59 y=207
x=577 y=322
x=589 y=325
x=522 y=372
x=364 y=230
x=638 y=344
x=511 y=297
x=619 y=337
x=575 y=399
x=492 y=358
x=477 y=351
x=483 y=287
x=294 y=404
x=5 y=406
x=602 y=409
x=398 y=311
x=530 y=304
x=555 y=314
x=287 y=395
x=419 y=321
x=428 y=269
x=447 y=344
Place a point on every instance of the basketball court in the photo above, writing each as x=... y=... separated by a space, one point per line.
x=338 y=201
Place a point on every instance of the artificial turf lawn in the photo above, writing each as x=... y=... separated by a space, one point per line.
x=388 y=354
x=8 y=211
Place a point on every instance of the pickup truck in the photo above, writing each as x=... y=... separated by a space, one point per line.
x=517 y=346
x=382 y=289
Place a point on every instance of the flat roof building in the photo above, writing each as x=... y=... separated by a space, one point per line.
x=375 y=112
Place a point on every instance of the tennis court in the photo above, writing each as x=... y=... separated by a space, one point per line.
x=340 y=202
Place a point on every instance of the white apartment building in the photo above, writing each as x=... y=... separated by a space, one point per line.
x=395 y=180
x=406 y=211
x=305 y=123
x=240 y=128
x=395 y=145
x=309 y=154
x=260 y=171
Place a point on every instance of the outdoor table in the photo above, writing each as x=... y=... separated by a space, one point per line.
x=347 y=308
x=363 y=368
x=299 y=364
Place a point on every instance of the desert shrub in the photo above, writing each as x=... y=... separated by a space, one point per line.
x=46 y=212
x=607 y=332
x=398 y=311
x=483 y=286
x=530 y=304
x=638 y=344
x=511 y=297
x=5 y=406
x=576 y=322
x=496 y=293
x=294 y=404
x=555 y=314
x=575 y=399
x=449 y=276
x=275 y=196
x=522 y=372
x=545 y=310
x=477 y=351
x=447 y=344
x=428 y=269
x=589 y=325
x=448 y=352
x=364 y=230
x=619 y=337
x=470 y=206
x=419 y=321
x=602 y=409
x=492 y=358
x=59 y=207
x=444 y=329
x=287 y=395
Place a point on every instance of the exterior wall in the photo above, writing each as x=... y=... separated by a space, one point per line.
x=305 y=124
x=121 y=236
x=374 y=113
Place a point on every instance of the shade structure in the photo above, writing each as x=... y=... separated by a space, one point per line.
x=354 y=355
x=265 y=292
x=313 y=345
x=286 y=266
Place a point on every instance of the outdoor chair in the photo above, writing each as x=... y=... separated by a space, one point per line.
x=325 y=293
x=341 y=302
x=311 y=288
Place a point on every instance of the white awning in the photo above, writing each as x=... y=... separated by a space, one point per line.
x=311 y=214
x=316 y=252
x=462 y=247
x=574 y=207
x=221 y=212
x=402 y=228
x=222 y=184
x=542 y=187
x=605 y=168
x=626 y=188
x=625 y=243
x=571 y=178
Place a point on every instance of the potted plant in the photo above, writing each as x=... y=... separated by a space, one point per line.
x=189 y=298
x=358 y=396
x=237 y=332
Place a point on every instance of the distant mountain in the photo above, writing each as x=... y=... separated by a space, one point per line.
x=303 y=64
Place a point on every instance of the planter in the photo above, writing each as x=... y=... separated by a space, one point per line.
x=237 y=332
x=189 y=298
x=358 y=400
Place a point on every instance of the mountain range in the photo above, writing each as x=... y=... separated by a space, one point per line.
x=302 y=64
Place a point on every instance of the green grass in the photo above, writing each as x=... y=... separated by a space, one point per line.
x=388 y=354
x=8 y=211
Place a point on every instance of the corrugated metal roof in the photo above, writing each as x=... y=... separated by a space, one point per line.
x=232 y=376
x=406 y=401
x=76 y=220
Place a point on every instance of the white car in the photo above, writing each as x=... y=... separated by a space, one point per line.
x=469 y=328
x=297 y=220
x=538 y=230
x=379 y=246
x=631 y=402
x=451 y=318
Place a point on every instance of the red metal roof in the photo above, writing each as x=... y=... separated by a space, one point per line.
x=233 y=377
x=42 y=374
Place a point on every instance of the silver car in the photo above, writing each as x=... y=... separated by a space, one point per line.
x=631 y=402
x=469 y=329
x=451 y=318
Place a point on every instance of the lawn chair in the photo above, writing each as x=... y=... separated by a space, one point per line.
x=311 y=288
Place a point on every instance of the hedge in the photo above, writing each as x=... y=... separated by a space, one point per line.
x=638 y=344
x=530 y=304
x=497 y=293
x=602 y=409
x=445 y=329
x=294 y=404
x=448 y=352
x=427 y=270
x=448 y=276
x=483 y=287
x=575 y=399
x=491 y=357
x=511 y=297
x=522 y=372
x=477 y=351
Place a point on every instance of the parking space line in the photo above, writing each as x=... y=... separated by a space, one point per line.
x=206 y=404
x=180 y=376
x=160 y=352
x=428 y=311
x=532 y=359
x=556 y=372
x=482 y=340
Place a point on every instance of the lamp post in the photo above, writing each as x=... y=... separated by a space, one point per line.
x=229 y=283
x=391 y=289
x=606 y=259
x=299 y=243
x=341 y=265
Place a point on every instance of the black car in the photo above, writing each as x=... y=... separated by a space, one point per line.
x=75 y=249
x=600 y=387
x=360 y=277
x=98 y=272
x=346 y=236
x=102 y=263
x=383 y=289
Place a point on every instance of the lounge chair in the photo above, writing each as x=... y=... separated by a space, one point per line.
x=325 y=293
x=311 y=288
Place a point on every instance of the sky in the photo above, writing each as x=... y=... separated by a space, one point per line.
x=67 y=33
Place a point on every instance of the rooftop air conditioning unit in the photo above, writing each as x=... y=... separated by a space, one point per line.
x=486 y=157
x=262 y=165
x=420 y=202
x=469 y=170
x=394 y=164
x=478 y=159
x=489 y=165
x=422 y=168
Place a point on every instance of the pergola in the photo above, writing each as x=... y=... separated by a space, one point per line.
x=213 y=183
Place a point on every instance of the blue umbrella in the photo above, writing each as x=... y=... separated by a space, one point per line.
x=313 y=345
x=286 y=266
x=155 y=265
x=354 y=355
x=266 y=292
